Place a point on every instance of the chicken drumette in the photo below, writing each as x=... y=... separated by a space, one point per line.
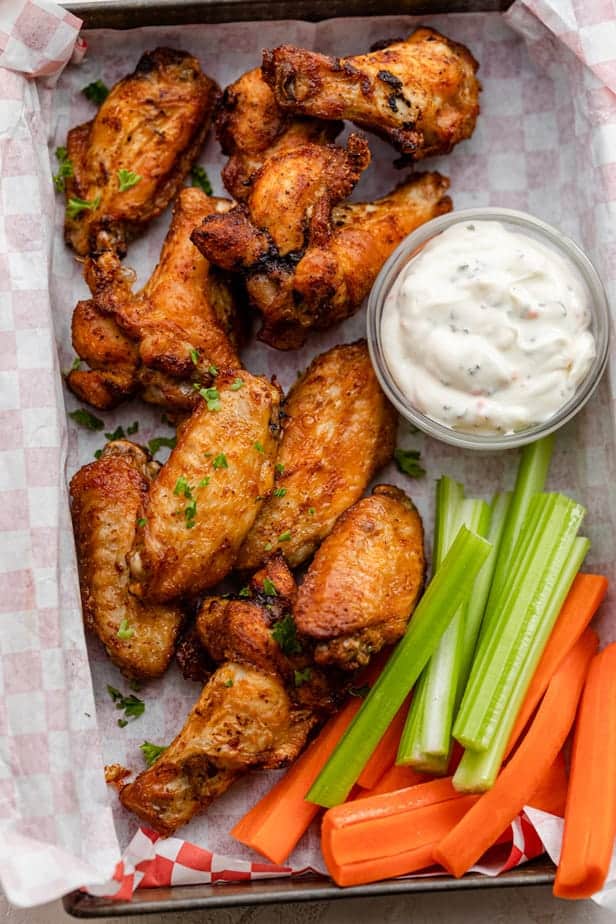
x=421 y=94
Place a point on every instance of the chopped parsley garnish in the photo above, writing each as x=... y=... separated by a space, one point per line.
x=229 y=683
x=362 y=692
x=134 y=685
x=131 y=705
x=65 y=169
x=245 y=592
x=159 y=441
x=182 y=488
x=86 y=419
x=285 y=633
x=259 y=446
x=76 y=206
x=213 y=370
x=220 y=461
x=75 y=365
x=204 y=482
x=141 y=522
x=127 y=179
x=407 y=461
x=311 y=511
x=151 y=752
x=194 y=355
x=302 y=677
x=280 y=492
x=118 y=434
x=284 y=537
x=190 y=512
x=96 y=92
x=200 y=178
x=98 y=453
x=268 y=546
x=269 y=587
x=134 y=428
x=279 y=467
x=211 y=396
x=125 y=631
x=237 y=384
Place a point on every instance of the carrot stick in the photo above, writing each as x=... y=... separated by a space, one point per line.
x=520 y=778
x=583 y=600
x=590 y=815
x=551 y=796
x=386 y=750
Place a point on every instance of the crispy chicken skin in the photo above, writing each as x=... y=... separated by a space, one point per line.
x=207 y=495
x=364 y=581
x=251 y=127
x=106 y=496
x=146 y=342
x=338 y=430
x=307 y=261
x=153 y=124
x=421 y=94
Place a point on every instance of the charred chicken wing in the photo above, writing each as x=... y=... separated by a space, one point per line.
x=421 y=94
x=205 y=499
x=338 y=429
x=106 y=496
x=364 y=581
x=132 y=158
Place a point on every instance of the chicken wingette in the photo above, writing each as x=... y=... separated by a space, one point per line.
x=364 y=581
x=421 y=94
x=338 y=430
x=131 y=159
x=206 y=497
x=106 y=496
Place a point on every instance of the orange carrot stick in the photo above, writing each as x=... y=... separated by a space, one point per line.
x=551 y=796
x=386 y=750
x=521 y=777
x=583 y=600
x=590 y=815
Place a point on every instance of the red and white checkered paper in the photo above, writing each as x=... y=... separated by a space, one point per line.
x=545 y=142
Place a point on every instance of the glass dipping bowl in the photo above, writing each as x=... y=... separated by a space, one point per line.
x=551 y=238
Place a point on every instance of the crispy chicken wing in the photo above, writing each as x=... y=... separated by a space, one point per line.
x=106 y=496
x=421 y=94
x=208 y=493
x=364 y=581
x=163 y=338
x=251 y=127
x=338 y=429
x=308 y=262
x=152 y=125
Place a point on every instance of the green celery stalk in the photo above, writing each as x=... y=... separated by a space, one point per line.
x=409 y=751
x=447 y=591
x=519 y=624
x=478 y=770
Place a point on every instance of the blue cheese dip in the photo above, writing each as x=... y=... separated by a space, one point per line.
x=487 y=329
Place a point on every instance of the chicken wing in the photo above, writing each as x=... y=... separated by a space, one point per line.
x=338 y=429
x=421 y=94
x=307 y=262
x=364 y=581
x=207 y=495
x=250 y=127
x=106 y=496
x=132 y=158
x=168 y=335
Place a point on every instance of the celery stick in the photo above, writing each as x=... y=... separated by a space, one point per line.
x=531 y=477
x=486 y=699
x=478 y=770
x=447 y=591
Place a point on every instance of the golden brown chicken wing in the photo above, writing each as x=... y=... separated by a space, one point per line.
x=364 y=581
x=251 y=127
x=421 y=94
x=163 y=338
x=307 y=262
x=132 y=158
x=338 y=429
x=106 y=496
x=208 y=493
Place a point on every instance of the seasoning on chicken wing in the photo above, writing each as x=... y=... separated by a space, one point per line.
x=364 y=581
x=307 y=262
x=338 y=429
x=251 y=127
x=208 y=493
x=132 y=158
x=421 y=94
x=171 y=333
x=106 y=496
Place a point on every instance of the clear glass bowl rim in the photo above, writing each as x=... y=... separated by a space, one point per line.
x=601 y=327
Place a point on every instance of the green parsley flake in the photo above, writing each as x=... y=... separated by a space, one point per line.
x=131 y=705
x=96 y=92
x=284 y=537
x=151 y=752
x=228 y=683
x=142 y=521
x=194 y=355
x=65 y=169
x=211 y=396
x=407 y=461
x=134 y=428
x=245 y=592
x=75 y=365
x=118 y=434
x=279 y=467
x=204 y=482
x=200 y=178
x=125 y=631
x=285 y=633
x=190 y=513
x=311 y=511
x=362 y=692
x=237 y=384
x=159 y=441
x=212 y=369
x=127 y=179
x=269 y=587
x=182 y=488
x=76 y=206
x=259 y=446
x=268 y=547
x=302 y=677
x=98 y=453
x=220 y=461
x=85 y=419
x=280 y=492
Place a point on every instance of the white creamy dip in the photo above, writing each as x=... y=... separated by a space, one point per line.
x=487 y=329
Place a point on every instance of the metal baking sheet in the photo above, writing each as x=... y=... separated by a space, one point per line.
x=126 y=14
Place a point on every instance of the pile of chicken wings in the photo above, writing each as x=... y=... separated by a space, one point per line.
x=259 y=483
